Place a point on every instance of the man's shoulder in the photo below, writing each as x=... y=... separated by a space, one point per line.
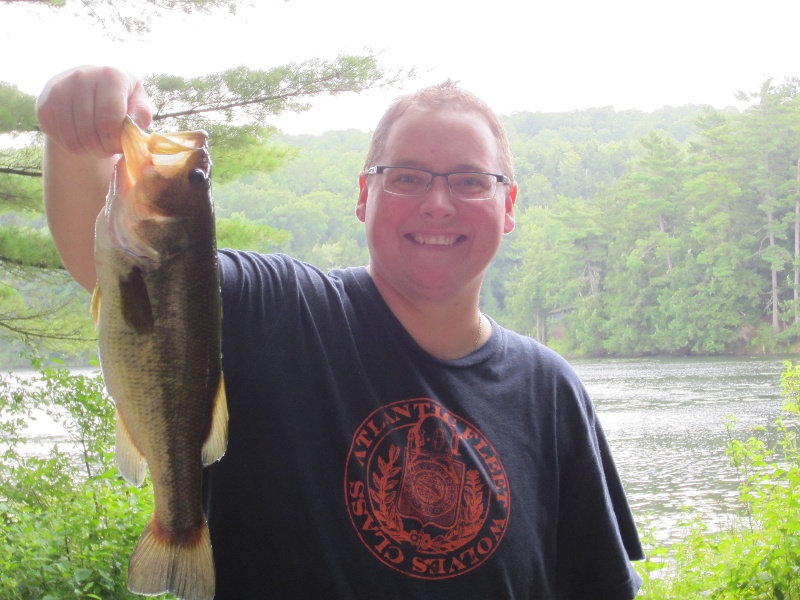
x=282 y=266
x=279 y=280
x=533 y=350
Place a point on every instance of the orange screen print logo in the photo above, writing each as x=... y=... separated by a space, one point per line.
x=426 y=491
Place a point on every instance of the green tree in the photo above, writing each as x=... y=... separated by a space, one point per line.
x=722 y=240
x=560 y=254
x=38 y=303
x=645 y=208
x=235 y=106
x=769 y=150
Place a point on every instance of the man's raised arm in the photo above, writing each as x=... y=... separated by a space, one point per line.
x=81 y=112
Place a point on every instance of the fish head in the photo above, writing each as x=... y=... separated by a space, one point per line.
x=160 y=197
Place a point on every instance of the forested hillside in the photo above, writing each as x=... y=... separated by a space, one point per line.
x=672 y=232
x=693 y=248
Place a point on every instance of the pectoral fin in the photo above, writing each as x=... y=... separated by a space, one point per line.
x=130 y=462
x=217 y=440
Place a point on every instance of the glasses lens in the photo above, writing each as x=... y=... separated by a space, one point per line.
x=406 y=182
x=472 y=186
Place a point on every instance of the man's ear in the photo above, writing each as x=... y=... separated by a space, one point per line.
x=361 y=205
x=511 y=200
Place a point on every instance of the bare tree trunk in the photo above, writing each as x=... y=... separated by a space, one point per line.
x=776 y=326
x=663 y=230
x=541 y=326
x=797 y=247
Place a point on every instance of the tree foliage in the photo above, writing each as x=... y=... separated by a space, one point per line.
x=696 y=241
x=234 y=106
x=68 y=521
x=16 y=110
x=119 y=18
x=672 y=232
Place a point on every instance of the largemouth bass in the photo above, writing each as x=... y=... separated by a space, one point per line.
x=157 y=308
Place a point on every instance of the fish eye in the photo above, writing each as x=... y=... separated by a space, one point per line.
x=197 y=176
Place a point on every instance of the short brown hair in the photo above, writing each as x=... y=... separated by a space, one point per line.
x=436 y=96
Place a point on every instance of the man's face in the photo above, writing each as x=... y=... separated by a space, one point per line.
x=435 y=245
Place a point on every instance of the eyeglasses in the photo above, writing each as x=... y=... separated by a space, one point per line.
x=466 y=185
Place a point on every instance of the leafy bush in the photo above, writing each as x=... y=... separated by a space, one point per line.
x=758 y=557
x=68 y=521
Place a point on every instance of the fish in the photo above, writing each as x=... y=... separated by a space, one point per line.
x=158 y=312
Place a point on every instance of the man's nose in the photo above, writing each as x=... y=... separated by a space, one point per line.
x=438 y=202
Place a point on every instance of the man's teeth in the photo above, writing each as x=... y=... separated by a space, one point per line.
x=435 y=240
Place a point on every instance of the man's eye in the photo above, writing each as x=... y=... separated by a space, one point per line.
x=408 y=179
x=470 y=181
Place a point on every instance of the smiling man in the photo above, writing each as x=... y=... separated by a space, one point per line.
x=387 y=439
x=435 y=216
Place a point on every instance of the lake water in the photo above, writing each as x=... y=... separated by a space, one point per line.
x=665 y=421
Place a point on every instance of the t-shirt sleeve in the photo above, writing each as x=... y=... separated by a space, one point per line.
x=597 y=536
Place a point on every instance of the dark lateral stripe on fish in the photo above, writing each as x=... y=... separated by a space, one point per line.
x=135 y=301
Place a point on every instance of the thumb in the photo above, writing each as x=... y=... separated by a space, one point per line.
x=139 y=107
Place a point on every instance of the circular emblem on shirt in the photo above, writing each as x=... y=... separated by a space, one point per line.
x=426 y=491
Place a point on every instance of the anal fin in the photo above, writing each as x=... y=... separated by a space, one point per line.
x=130 y=462
x=217 y=440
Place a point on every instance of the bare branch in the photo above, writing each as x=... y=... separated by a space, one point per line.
x=23 y=172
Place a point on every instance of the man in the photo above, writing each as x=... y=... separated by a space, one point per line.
x=387 y=439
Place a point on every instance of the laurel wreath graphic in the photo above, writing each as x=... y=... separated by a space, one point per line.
x=383 y=493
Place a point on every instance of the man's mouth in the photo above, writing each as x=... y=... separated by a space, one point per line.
x=435 y=240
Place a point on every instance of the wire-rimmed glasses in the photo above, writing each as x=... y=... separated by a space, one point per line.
x=464 y=185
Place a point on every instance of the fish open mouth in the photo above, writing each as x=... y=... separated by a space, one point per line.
x=143 y=190
x=166 y=153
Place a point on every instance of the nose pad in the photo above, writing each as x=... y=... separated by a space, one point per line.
x=438 y=202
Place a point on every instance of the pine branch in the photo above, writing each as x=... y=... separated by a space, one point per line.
x=21 y=172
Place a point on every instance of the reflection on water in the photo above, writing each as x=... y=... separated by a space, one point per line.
x=665 y=421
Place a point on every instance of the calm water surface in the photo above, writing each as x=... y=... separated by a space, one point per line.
x=665 y=421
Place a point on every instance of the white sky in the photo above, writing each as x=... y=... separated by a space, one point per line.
x=552 y=55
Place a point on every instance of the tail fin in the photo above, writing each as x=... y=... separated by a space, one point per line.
x=159 y=565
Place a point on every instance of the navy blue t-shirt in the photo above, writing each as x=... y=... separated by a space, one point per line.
x=360 y=466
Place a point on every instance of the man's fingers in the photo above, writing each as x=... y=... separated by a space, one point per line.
x=83 y=109
x=139 y=107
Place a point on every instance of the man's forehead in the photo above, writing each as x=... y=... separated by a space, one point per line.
x=435 y=122
x=461 y=132
x=453 y=111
